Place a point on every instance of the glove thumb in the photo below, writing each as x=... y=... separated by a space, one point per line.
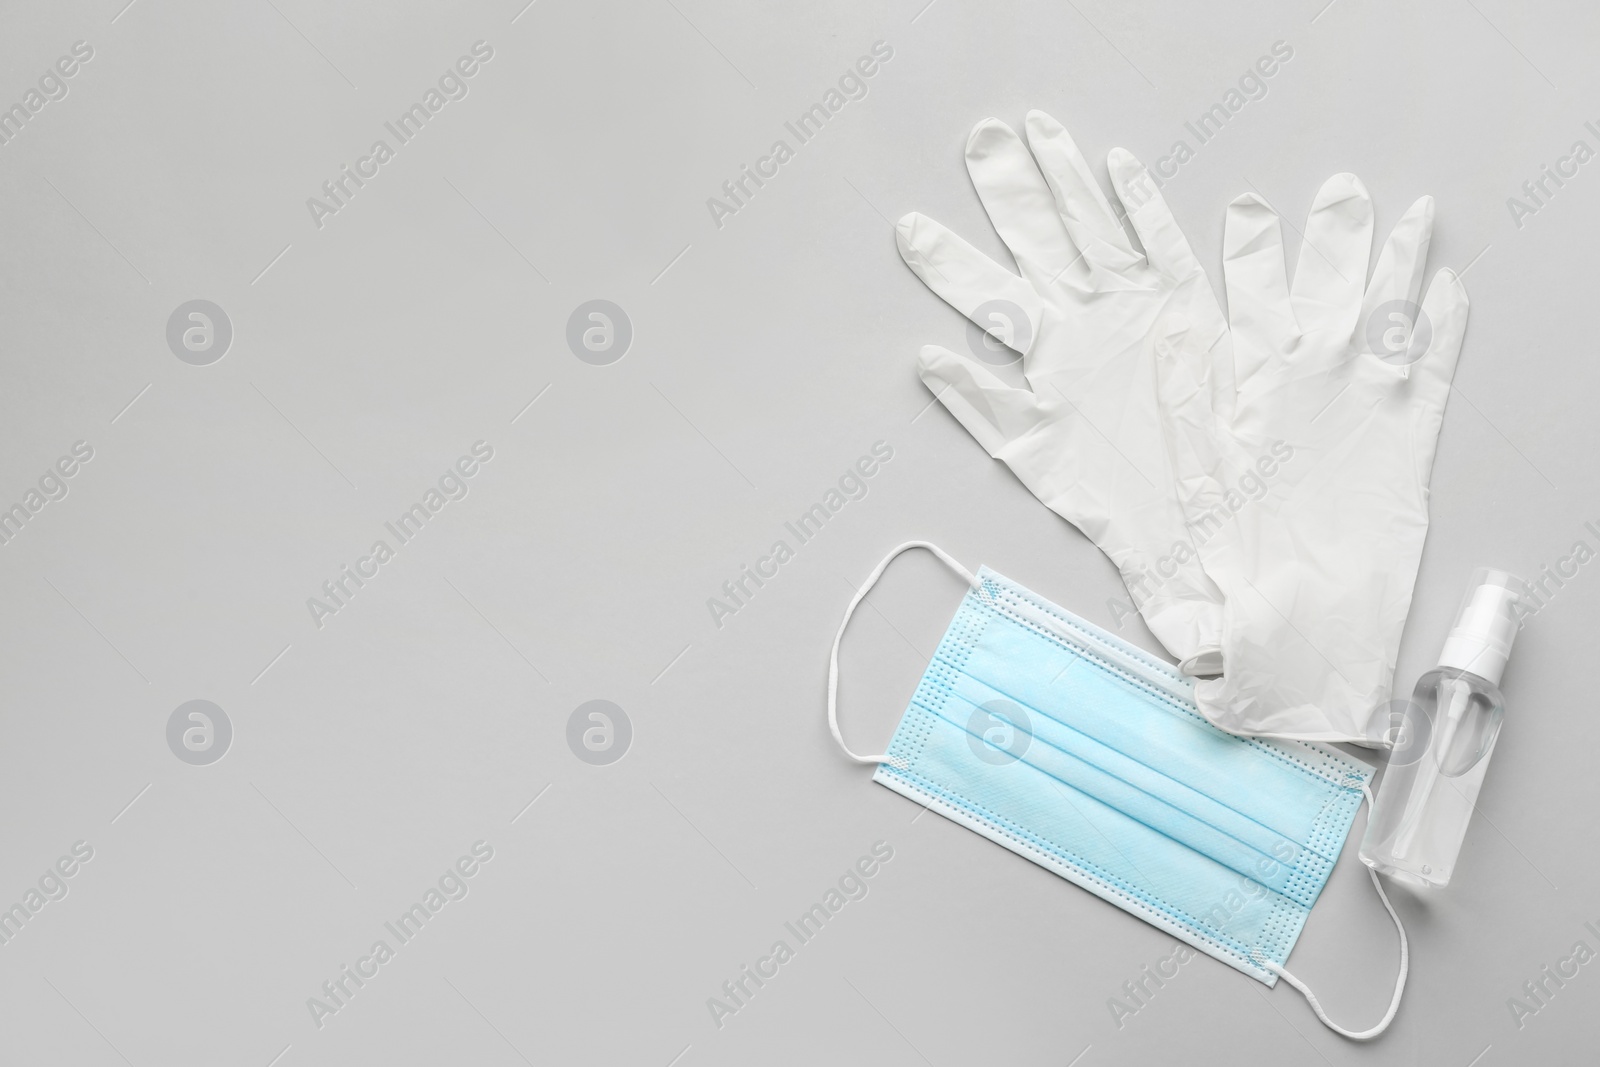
x=993 y=412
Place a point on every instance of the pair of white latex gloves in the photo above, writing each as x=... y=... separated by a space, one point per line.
x=1259 y=478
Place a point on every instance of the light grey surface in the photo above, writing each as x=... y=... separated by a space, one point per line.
x=767 y=355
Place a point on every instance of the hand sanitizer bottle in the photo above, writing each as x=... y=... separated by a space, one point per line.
x=1442 y=750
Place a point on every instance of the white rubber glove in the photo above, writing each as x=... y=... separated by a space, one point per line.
x=1303 y=461
x=1085 y=314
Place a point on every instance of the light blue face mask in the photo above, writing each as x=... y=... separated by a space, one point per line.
x=1086 y=755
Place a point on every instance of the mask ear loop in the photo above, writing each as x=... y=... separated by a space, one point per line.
x=1399 y=982
x=833 y=657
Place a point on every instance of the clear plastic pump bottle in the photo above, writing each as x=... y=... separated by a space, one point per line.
x=1444 y=742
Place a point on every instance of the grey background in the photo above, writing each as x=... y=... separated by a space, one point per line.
x=767 y=356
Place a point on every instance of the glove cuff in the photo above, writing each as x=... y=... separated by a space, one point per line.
x=1207 y=663
x=1191 y=630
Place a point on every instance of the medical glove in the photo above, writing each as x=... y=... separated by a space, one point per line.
x=1303 y=457
x=1086 y=313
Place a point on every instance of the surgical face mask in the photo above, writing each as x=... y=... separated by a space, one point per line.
x=1088 y=756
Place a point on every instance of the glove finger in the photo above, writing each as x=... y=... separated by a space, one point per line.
x=969 y=281
x=1259 y=310
x=993 y=412
x=1018 y=201
x=1169 y=252
x=1082 y=205
x=1189 y=424
x=1390 y=323
x=1164 y=243
x=1445 y=311
x=1332 y=270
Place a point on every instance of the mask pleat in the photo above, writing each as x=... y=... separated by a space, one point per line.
x=1087 y=755
x=1084 y=834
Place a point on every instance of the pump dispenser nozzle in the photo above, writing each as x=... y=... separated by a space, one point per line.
x=1485 y=628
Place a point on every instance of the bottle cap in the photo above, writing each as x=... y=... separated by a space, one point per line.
x=1487 y=624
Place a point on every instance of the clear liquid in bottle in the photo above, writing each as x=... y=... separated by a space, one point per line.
x=1442 y=746
x=1435 y=770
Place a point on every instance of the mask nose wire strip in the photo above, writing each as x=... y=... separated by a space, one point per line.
x=1399 y=983
x=833 y=657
